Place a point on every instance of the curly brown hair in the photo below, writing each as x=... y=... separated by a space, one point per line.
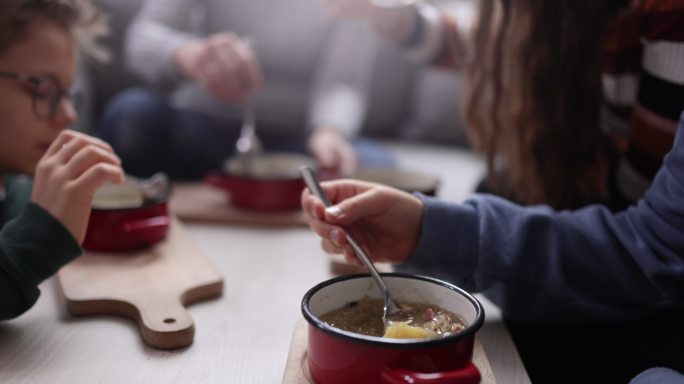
x=78 y=17
x=535 y=95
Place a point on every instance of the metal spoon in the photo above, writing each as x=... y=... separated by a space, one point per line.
x=390 y=307
x=248 y=145
x=155 y=186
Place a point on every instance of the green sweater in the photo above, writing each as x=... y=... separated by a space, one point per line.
x=33 y=246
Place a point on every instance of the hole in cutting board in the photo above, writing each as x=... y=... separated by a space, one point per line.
x=170 y=320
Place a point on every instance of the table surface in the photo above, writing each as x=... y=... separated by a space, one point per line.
x=243 y=336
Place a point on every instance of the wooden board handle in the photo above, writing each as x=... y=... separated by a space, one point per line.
x=165 y=323
x=151 y=286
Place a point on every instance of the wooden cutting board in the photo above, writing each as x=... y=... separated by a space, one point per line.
x=198 y=202
x=297 y=368
x=151 y=286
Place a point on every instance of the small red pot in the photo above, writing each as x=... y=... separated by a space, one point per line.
x=118 y=230
x=340 y=357
x=128 y=228
x=272 y=183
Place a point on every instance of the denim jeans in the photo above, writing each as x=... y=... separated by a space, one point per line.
x=151 y=136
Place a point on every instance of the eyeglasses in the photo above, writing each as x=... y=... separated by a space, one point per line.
x=45 y=91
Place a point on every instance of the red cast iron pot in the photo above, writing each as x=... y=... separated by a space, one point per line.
x=272 y=182
x=129 y=228
x=339 y=357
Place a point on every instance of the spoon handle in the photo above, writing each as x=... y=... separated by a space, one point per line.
x=312 y=183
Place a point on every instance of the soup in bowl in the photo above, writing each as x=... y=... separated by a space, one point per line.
x=341 y=356
x=414 y=321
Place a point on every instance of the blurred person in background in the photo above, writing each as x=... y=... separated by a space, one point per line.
x=600 y=102
x=306 y=75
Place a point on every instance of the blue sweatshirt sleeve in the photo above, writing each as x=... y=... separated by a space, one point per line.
x=537 y=264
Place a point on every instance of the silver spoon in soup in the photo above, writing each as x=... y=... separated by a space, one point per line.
x=390 y=307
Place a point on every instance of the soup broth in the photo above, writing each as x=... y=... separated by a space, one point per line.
x=416 y=320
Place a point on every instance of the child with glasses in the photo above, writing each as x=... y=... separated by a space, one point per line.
x=43 y=220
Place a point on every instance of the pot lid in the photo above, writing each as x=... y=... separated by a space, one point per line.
x=132 y=193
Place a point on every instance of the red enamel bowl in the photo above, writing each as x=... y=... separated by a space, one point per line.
x=119 y=230
x=128 y=224
x=271 y=182
x=340 y=357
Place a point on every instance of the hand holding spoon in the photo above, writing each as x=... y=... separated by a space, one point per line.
x=390 y=307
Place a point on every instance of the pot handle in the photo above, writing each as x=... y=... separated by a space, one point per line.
x=466 y=375
x=148 y=224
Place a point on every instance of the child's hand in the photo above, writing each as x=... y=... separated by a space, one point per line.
x=384 y=220
x=67 y=176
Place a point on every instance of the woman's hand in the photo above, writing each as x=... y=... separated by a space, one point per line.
x=67 y=176
x=224 y=64
x=385 y=221
x=332 y=151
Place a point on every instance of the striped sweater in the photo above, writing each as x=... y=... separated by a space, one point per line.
x=643 y=87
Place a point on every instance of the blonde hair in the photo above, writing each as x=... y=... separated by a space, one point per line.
x=78 y=17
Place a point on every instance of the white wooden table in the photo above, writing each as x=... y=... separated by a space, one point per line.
x=242 y=337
